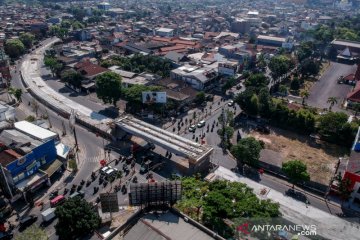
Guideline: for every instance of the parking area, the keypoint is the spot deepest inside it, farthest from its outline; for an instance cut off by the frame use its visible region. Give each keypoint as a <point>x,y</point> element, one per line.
<point>328,86</point>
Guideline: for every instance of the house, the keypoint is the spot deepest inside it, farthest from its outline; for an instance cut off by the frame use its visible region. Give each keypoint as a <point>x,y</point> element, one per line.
<point>130,78</point>
<point>354,96</point>
<point>89,70</point>
<point>177,59</point>
<point>7,113</point>
<point>274,41</point>
<point>228,68</point>
<point>351,172</point>
<point>198,77</point>
<point>340,45</point>
<point>82,35</point>
<point>164,32</point>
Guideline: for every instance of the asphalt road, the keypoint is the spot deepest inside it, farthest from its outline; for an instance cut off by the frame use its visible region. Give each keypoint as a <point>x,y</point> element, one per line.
<point>92,146</point>
<point>327,86</point>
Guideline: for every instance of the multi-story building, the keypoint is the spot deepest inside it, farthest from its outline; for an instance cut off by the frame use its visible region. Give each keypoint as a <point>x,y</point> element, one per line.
<point>27,152</point>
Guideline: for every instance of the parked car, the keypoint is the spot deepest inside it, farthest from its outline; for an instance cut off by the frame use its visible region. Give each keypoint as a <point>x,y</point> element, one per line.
<point>80,194</point>
<point>192,128</point>
<point>146,166</point>
<point>6,235</point>
<point>231,103</point>
<point>104,170</point>
<point>263,129</point>
<point>201,124</point>
<point>27,221</point>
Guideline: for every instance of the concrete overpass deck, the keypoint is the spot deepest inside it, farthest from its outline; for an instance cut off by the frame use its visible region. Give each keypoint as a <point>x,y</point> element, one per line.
<point>36,85</point>
<point>179,145</point>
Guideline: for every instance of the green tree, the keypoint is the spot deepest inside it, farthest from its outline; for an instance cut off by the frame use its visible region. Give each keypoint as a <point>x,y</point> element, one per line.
<point>200,97</point>
<point>331,124</point>
<point>212,203</point>
<point>296,171</point>
<point>332,101</point>
<point>66,24</point>
<point>76,218</point>
<point>14,48</point>
<point>58,31</point>
<point>305,50</point>
<point>16,92</point>
<point>226,133</point>
<point>283,90</point>
<point>356,108</point>
<point>53,64</point>
<point>265,103</point>
<point>258,81</point>
<point>343,187</point>
<point>295,84</point>
<point>72,77</point>
<point>304,94</point>
<point>254,105</point>
<point>108,87</point>
<point>309,67</point>
<point>279,66</point>
<point>32,233</point>
<point>27,39</point>
<point>247,151</point>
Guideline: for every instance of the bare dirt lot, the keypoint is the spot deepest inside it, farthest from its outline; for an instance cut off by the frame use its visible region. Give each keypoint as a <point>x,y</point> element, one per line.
<point>320,158</point>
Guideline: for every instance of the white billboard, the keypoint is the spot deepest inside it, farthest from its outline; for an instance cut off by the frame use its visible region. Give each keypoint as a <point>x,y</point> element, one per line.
<point>154,97</point>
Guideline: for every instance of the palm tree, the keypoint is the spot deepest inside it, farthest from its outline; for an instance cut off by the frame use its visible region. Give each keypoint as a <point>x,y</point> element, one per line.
<point>332,101</point>
<point>304,94</point>
<point>16,92</point>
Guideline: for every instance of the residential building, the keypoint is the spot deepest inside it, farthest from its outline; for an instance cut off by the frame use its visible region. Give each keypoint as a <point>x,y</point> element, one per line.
<point>198,77</point>
<point>240,26</point>
<point>104,6</point>
<point>22,157</point>
<point>7,113</point>
<point>352,46</point>
<point>165,32</point>
<point>274,41</point>
<point>228,68</point>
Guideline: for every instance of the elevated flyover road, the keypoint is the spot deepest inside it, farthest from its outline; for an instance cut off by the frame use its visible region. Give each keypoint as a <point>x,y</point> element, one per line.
<point>179,145</point>
<point>31,78</point>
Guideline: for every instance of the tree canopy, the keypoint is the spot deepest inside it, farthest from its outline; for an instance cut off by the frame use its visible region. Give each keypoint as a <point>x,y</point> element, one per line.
<point>280,65</point>
<point>247,151</point>
<point>108,87</point>
<point>32,233</point>
<point>296,171</point>
<point>213,203</point>
<point>53,64</point>
<point>72,77</point>
<point>14,48</point>
<point>258,81</point>
<point>76,218</point>
<point>27,39</point>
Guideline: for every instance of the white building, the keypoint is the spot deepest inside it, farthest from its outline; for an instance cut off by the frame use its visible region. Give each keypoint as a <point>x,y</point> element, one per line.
<point>165,32</point>
<point>199,78</point>
<point>7,113</point>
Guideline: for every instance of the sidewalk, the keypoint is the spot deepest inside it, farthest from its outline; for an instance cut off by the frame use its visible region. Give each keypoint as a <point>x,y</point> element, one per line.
<point>327,225</point>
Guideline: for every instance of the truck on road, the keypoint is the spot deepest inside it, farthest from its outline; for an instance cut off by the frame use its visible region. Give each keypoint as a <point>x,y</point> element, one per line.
<point>48,214</point>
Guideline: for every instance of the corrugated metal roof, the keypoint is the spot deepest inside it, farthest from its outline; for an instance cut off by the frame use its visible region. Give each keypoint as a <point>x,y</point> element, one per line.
<point>34,130</point>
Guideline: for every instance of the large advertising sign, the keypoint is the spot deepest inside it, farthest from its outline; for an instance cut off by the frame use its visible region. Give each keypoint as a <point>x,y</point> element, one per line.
<point>154,97</point>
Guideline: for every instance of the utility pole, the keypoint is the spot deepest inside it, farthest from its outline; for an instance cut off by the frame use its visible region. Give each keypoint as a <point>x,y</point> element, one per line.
<point>64,128</point>
<point>72,126</point>
<point>48,118</point>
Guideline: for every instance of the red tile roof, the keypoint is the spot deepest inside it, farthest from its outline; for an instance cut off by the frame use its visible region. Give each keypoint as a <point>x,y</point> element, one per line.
<point>89,69</point>
<point>8,156</point>
<point>354,96</point>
